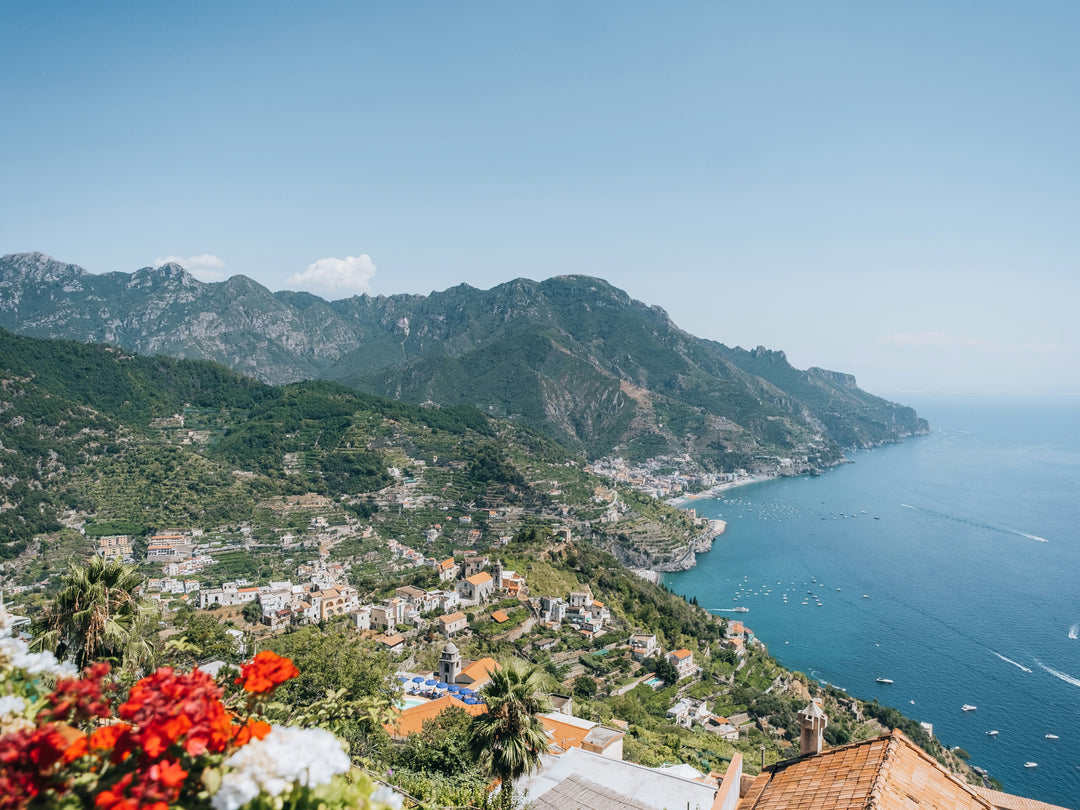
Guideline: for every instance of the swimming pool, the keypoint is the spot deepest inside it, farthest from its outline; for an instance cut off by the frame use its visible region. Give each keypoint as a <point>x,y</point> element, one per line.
<point>654,682</point>
<point>411,702</point>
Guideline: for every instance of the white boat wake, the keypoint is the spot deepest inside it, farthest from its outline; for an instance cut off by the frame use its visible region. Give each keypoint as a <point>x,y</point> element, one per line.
<point>1060,675</point>
<point>1074,630</point>
<point>1010,661</point>
<point>976,524</point>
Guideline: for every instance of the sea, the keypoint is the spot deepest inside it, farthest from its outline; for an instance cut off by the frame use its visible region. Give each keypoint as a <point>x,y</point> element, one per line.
<point>948,563</point>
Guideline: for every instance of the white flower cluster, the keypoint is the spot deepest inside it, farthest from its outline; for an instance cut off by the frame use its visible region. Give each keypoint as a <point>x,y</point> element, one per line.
<point>274,764</point>
<point>15,653</point>
<point>11,704</point>
<point>387,797</point>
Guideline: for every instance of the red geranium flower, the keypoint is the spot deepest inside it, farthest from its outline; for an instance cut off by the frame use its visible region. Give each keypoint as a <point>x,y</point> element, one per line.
<point>168,773</point>
<point>76,700</point>
<point>167,708</point>
<point>256,729</point>
<point>267,671</point>
<point>115,740</point>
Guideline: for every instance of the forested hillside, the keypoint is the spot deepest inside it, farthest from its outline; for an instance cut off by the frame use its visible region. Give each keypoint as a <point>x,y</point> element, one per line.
<point>571,356</point>
<point>98,441</point>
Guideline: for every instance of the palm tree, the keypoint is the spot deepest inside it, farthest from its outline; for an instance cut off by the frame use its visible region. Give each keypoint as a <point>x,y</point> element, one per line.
<point>96,616</point>
<point>508,739</point>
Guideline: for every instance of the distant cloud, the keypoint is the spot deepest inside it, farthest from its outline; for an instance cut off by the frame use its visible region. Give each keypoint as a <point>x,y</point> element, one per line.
<point>935,340</point>
<point>351,275</point>
<point>205,266</point>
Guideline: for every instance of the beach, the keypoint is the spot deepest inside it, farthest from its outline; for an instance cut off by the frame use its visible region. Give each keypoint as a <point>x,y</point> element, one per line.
<point>712,492</point>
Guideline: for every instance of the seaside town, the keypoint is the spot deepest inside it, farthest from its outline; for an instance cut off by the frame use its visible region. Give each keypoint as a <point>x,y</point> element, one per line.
<point>473,595</point>
<point>678,479</point>
<point>475,590</point>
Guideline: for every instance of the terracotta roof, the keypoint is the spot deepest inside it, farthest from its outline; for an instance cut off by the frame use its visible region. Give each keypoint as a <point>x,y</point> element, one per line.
<point>411,721</point>
<point>479,579</point>
<point>450,618</point>
<point>391,641</point>
<point>681,654</point>
<point>500,616</point>
<point>563,735</point>
<point>445,564</point>
<point>885,773</point>
<point>1007,801</point>
<point>478,670</point>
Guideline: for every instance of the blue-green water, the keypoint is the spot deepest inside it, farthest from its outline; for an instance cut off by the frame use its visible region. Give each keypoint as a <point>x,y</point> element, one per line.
<point>966,544</point>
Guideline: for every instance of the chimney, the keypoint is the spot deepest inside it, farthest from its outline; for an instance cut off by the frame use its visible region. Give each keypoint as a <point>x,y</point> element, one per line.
<point>812,721</point>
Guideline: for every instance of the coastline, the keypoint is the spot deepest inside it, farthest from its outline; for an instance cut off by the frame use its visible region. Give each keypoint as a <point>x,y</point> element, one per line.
<point>700,544</point>
<point>682,500</point>
<point>1014,699</point>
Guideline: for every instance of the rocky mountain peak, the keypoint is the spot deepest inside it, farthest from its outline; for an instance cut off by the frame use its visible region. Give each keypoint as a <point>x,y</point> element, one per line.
<point>38,267</point>
<point>168,276</point>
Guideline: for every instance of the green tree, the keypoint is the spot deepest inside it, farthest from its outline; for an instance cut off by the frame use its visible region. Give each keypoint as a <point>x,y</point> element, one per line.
<point>337,668</point>
<point>252,612</point>
<point>332,658</point>
<point>584,687</point>
<point>666,671</point>
<point>508,739</point>
<point>203,638</point>
<point>441,747</point>
<point>97,616</point>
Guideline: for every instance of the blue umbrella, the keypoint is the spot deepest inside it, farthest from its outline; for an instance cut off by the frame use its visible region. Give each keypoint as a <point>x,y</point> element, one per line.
<point>455,688</point>
<point>403,678</point>
<point>429,682</point>
<point>466,691</point>
<point>440,685</point>
<point>471,701</point>
<point>418,679</point>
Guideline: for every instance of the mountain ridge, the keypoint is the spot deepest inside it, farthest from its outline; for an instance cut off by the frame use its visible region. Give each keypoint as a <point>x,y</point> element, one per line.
<point>571,355</point>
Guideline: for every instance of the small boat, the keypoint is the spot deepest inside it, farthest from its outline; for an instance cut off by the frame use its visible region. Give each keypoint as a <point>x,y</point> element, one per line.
<point>741,609</point>
<point>991,734</point>
<point>1031,764</point>
<point>866,596</point>
<point>884,680</point>
<point>967,707</point>
<point>1052,736</point>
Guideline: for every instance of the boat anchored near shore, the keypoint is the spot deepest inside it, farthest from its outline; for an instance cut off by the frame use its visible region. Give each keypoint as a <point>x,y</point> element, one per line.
<point>884,680</point>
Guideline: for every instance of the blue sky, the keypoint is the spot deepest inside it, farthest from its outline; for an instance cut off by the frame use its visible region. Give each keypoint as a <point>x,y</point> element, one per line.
<point>890,189</point>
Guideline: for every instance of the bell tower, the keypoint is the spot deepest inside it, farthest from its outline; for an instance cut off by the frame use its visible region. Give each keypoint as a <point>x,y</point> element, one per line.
<point>449,663</point>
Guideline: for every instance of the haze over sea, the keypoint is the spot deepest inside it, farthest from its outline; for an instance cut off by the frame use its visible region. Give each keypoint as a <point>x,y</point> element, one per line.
<point>966,543</point>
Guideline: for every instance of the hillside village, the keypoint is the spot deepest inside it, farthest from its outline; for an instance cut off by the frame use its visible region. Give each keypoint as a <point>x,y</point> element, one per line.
<point>591,756</point>
<point>475,591</point>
